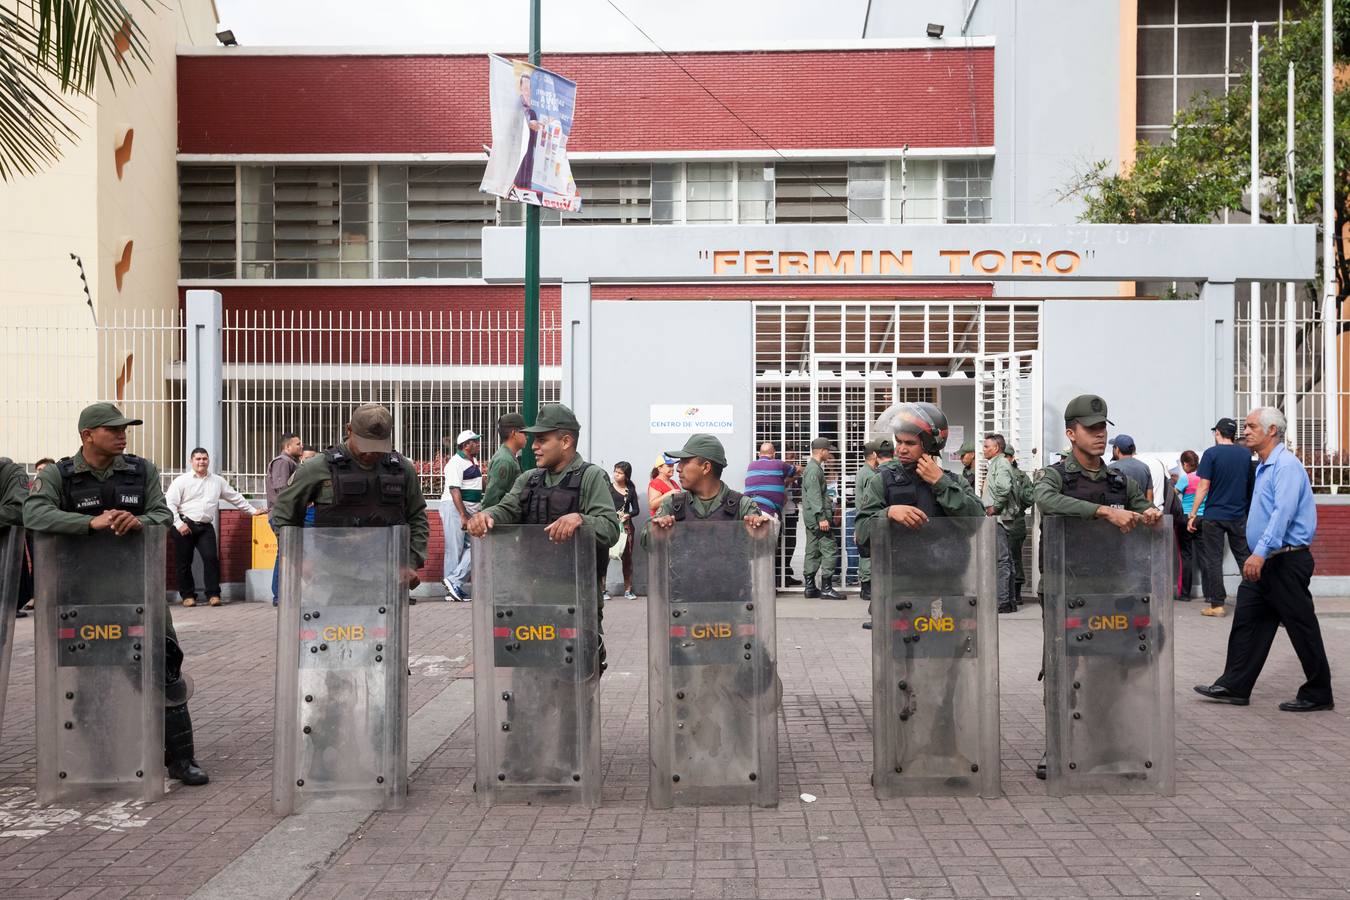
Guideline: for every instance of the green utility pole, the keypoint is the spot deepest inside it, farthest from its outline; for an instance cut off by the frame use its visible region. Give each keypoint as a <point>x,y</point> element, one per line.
<point>531,333</point>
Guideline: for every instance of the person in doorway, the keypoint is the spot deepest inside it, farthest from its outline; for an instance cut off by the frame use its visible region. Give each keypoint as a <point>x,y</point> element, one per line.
<point>768,481</point>
<point>1275,576</point>
<point>461,499</point>
<point>104,488</point>
<point>968,463</point>
<point>1001,501</point>
<point>1226,479</point>
<point>626,505</point>
<point>1017,525</point>
<point>504,467</point>
<point>661,482</point>
<point>194,499</point>
<point>822,549</point>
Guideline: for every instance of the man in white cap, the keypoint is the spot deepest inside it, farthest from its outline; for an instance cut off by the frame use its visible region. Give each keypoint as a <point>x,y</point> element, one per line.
<point>461,499</point>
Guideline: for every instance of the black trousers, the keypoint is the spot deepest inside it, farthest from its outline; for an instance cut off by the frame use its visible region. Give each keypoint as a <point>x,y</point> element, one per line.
<point>1281,597</point>
<point>1189,546</point>
<point>201,539</point>
<point>1211,553</point>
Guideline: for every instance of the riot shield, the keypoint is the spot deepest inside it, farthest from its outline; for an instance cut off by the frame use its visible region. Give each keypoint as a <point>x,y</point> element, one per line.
<point>100,665</point>
<point>713,689</point>
<point>1108,638</point>
<point>536,664</point>
<point>342,678</point>
<point>11,559</point>
<point>935,694</point>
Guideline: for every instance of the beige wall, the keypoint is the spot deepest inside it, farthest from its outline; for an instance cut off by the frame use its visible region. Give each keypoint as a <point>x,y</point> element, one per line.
<point>51,363</point>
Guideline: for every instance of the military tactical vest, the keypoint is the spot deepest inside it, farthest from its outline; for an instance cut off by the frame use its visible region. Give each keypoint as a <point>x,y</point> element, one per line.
<point>903,489</point>
<point>730,507</point>
<point>1109,491</point>
<point>542,504</point>
<point>83,493</point>
<point>363,498</point>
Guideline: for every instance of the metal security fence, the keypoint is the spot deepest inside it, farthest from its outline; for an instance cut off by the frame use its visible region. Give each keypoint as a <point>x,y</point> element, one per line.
<point>55,362</point>
<point>1289,343</point>
<point>440,372</point>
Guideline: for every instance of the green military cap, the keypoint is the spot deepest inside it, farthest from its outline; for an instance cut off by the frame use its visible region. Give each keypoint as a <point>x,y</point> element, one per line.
<point>554,417</point>
<point>104,415</point>
<point>869,447</point>
<point>512,420</point>
<point>1008,450</point>
<point>1086,409</point>
<point>372,429</point>
<point>821,443</point>
<point>704,446</point>
<point>967,447</point>
<point>885,446</point>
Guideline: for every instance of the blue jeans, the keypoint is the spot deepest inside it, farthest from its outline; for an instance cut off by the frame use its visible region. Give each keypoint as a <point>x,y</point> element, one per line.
<point>457,563</point>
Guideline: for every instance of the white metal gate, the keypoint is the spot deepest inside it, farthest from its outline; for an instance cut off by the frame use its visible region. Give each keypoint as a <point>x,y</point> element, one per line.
<point>1008,402</point>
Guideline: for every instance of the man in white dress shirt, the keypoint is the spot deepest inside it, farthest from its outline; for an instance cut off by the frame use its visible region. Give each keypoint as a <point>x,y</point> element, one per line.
<point>194,497</point>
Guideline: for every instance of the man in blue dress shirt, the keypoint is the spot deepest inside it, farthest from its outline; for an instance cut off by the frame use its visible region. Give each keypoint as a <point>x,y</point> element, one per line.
<point>1274,590</point>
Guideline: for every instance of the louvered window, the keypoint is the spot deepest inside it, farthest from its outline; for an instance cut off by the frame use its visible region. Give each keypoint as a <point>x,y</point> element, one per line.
<point>206,225</point>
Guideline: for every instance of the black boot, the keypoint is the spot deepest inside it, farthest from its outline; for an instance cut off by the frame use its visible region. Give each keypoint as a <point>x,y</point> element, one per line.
<point>812,592</point>
<point>865,591</point>
<point>827,591</point>
<point>178,747</point>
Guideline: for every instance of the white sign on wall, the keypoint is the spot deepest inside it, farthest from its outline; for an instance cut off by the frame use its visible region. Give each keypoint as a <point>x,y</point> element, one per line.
<point>679,418</point>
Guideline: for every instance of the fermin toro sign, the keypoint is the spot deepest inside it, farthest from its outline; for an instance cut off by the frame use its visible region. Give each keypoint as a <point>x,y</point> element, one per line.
<point>649,253</point>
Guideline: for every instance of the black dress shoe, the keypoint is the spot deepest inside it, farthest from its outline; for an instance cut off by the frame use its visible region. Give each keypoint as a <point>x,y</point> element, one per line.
<point>1040,768</point>
<point>1220,694</point>
<point>1297,705</point>
<point>867,626</point>
<point>187,772</point>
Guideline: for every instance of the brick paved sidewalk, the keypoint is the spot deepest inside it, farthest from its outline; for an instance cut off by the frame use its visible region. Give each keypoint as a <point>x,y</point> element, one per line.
<point>1262,807</point>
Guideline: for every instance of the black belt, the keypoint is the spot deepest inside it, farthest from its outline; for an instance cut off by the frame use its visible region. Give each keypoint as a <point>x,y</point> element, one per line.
<point>1287,549</point>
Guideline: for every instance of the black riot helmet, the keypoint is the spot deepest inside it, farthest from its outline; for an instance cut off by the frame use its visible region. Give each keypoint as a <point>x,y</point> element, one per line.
<point>922,419</point>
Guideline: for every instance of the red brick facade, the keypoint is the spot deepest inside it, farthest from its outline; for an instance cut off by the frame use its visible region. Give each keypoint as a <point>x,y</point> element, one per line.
<point>234,102</point>
<point>1331,546</point>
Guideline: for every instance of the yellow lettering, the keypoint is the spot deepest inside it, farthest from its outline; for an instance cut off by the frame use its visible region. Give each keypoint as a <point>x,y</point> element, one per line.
<point>1024,261</point>
<point>344,633</point>
<point>954,258</point>
<point>711,630</point>
<point>845,263</point>
<point>758,262</point>
<point>925,623</point>
<point>793,262</point>
<point>535,633</point>
<point>866,256</point>
<point>1068,257</point>
<point>890,262</point>
<point>1118,622</point>
<point>101,632</point>
<point>725,261</point>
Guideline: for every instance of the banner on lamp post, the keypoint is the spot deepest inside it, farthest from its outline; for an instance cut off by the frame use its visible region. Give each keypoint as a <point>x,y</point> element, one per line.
<point>532,110</point>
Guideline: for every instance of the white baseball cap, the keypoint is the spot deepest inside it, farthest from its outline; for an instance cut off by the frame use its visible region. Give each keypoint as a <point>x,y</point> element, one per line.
<point>465,435</point>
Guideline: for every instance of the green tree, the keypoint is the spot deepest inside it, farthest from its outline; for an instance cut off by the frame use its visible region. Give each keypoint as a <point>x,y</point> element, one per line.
<point>1206,169</point>
<point>52,51</point>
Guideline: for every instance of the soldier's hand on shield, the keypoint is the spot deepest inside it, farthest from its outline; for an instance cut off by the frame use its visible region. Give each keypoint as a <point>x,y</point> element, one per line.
<point>479,525</point>
<point>102,522</point>
<point>124,522</point>
<point>929,469</point>
<point>908,516</point>
<point>755,521</point>
<point>663,521</point>
<point>1152,515</point>
<point>1121,518</point>
<point>564,528</point>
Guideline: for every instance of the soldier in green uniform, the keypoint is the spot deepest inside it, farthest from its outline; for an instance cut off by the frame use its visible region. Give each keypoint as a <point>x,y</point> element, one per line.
<point>1082,486</point>
<point>104,488</point>
<point>564,493</point>
<point>822,550</point>
<point>1017,525</point>
<point>968,463</point>
<point>1001,501</point>
<point>504,468</point>
<point>913,486</point>
<point>875,453</point>
<point>13,490</point>
<point>360,483</point>
<point>702,491</point>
